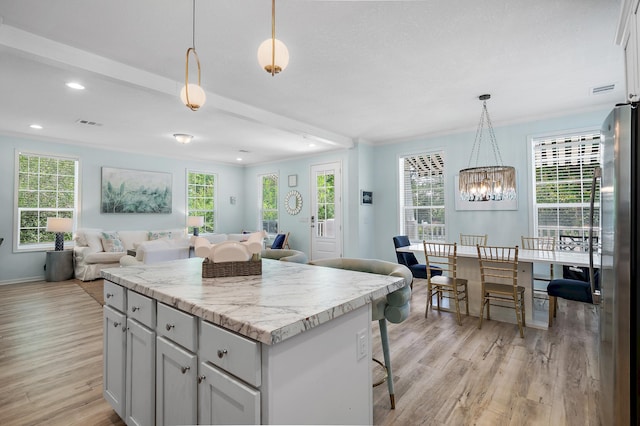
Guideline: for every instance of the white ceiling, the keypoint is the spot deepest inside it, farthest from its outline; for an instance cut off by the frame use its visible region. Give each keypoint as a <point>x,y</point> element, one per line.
<point>360,71</point>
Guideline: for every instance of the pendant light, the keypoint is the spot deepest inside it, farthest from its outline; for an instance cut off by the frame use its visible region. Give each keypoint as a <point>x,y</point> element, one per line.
<point>487,183</point>
<point>273,55</point>
<point>191,94</point>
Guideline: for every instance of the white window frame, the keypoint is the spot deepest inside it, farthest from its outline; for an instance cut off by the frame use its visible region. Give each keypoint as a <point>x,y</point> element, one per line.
<point>427,231</point>
<point>209,226</point>
<point>261,210</point>
<point>47,241</point>
<point>565,147</point>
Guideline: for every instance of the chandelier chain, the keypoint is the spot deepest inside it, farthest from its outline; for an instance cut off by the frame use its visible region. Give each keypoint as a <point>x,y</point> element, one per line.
<point>492,136</point>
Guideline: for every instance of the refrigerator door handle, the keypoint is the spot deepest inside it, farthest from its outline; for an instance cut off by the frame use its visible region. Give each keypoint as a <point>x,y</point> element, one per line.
<point>597,174</point>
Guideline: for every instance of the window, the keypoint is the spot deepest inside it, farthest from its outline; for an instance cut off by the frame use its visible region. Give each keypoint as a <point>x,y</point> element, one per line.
<point>422,197</point>
<point>269,203</point>
<point>201,191</point>
<point>46,186</point>
<point>563,171</point>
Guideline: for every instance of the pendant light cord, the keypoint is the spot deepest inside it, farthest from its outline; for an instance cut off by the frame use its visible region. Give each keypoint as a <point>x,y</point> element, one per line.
<point>193,26</point>
<point>273,37</point>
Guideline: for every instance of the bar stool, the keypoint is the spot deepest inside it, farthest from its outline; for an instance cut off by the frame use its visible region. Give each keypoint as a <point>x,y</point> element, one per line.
<point>393,307</point>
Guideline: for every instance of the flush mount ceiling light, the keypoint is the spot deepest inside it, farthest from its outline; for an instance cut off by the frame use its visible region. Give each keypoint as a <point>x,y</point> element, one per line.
<point>36,126</point>
<point>74,85</point>
<point>487,183</point>
<point>191,94</point>
<point>183,137</point>
<point>273,55</point>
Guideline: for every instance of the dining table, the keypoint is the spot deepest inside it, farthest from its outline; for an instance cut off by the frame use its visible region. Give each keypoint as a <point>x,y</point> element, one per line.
<point>468,267</point>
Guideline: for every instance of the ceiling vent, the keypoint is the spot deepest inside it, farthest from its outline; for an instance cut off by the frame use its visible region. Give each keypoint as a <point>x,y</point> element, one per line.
<point>88,122</point>
<point>602,89</point>
<point>244,151</point>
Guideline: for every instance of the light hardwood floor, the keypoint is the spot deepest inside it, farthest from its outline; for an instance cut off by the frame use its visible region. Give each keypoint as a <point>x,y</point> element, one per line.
<point>445,374</point>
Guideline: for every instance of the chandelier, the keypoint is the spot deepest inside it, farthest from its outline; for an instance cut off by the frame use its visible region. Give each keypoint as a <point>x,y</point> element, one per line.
<point>487,183</point>
<point>273,55</point>
<point>191,94</point>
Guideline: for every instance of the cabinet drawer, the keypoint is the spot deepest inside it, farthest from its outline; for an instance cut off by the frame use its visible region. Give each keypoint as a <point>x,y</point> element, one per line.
<point>142,309</point>
<point>115,296</point>
<point>178,326</point>
<point>233,353</point>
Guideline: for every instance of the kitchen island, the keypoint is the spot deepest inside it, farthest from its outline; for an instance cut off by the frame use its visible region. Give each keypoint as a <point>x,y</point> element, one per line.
<point>292,345</point>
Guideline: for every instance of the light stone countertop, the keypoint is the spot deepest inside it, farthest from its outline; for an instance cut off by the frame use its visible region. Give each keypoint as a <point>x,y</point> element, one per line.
<point>287,299</point>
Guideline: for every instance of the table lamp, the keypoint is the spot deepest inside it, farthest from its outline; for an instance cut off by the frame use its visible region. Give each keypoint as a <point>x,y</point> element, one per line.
<point>196,222</point>
<point>59,225</point>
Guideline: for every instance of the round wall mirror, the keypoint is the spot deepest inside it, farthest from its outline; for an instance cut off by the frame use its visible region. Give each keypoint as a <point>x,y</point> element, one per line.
<point>293,202</point>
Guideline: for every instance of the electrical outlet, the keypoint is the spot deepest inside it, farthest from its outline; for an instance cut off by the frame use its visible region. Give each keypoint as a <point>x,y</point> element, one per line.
<point>361,344</point>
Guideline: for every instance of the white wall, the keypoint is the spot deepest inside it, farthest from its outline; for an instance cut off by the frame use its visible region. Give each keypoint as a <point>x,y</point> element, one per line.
<point>503,227</point>
<point>17,267</point>
<point>368,230</point>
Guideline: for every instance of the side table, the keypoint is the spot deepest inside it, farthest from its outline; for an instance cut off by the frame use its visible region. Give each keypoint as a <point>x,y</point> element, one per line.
<point>59,265</point>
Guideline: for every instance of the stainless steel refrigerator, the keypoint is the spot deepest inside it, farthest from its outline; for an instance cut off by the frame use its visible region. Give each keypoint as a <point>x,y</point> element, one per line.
<point>619,303</point>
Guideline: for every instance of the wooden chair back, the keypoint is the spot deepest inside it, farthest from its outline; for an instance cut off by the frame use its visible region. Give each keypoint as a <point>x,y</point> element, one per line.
<point>442,256</point>
<point>538,243</point>
<point>473,240</point>
<point>498,265</point>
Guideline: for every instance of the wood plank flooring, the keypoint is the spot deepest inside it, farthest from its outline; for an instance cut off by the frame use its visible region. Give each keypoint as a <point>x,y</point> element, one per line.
<point>445,374</point>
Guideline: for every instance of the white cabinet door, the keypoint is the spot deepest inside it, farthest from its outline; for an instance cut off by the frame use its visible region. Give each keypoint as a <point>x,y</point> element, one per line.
<point>224,400</point>
<point>141,374</point>
<point>115,342</point>
<point>176,386</point>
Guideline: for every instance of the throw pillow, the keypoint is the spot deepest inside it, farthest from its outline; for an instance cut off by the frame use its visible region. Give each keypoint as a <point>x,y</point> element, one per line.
<point>156,235</point>
<point>111,242</point>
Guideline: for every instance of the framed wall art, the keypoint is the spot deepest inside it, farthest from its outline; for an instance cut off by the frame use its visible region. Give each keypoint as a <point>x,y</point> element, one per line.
<point>135,191</point>
<point>366,197</point>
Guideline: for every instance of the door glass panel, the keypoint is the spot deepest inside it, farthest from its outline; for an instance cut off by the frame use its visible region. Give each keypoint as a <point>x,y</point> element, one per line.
<point>325,213</point>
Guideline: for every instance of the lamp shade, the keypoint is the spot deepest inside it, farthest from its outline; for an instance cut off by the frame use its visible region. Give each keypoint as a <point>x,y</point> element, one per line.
<point>195,221</point>
<point>265,57</point>
<point>59,224</point>
<point>197,97</point>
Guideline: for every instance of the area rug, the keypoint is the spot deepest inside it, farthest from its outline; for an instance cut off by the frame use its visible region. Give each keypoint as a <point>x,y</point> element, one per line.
<point>93,289</point>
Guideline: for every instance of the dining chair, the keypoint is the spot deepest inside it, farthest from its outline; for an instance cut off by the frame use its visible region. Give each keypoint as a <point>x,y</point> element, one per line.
<point>446,284</point>
<point>545,244</point>
<point>569,289</point>
<point>499,278</point>
<point>473,240</point>
<point>408,259</point>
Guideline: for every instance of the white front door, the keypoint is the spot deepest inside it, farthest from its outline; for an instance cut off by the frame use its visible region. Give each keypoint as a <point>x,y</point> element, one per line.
<point>326,211</point>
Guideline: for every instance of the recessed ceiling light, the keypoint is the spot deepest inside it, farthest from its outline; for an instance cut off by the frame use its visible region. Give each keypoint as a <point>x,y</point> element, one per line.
<point>312,145</point>
<point>183,137</point>
<point>36,126</point>
<point>74,85</point>
<point>238,159</point>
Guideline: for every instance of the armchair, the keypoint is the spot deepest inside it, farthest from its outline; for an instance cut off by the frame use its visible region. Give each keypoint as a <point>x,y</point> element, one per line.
<point>570,289</point>
<point>419,270</point>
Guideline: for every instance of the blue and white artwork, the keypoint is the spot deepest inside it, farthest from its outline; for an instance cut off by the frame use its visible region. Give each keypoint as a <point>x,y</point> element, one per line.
<point>135,191</point>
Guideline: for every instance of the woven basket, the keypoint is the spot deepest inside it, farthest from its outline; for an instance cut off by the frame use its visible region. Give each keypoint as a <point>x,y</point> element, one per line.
<point>231,269</point>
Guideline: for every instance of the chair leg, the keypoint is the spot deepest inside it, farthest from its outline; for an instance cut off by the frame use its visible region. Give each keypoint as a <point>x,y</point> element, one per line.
<point>552,308</point>
<point>457,302</point>
<point>429,299</point>
<point>387,360</point>
<point>522,309</point>
<point>466,298</point>
<point>488,309</point>
<point>518,317</point>
<point>481,312</point>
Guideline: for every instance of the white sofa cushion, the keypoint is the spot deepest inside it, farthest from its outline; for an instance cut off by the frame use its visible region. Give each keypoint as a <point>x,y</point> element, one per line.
<point>89,237</point>
<point>131,238</point>
<point>103,257</point>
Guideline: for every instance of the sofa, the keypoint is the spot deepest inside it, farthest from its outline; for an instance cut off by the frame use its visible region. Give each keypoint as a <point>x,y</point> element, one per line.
<point>96,249</point>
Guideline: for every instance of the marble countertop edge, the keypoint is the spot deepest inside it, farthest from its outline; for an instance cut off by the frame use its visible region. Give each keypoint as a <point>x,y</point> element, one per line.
<point>263,330</point>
